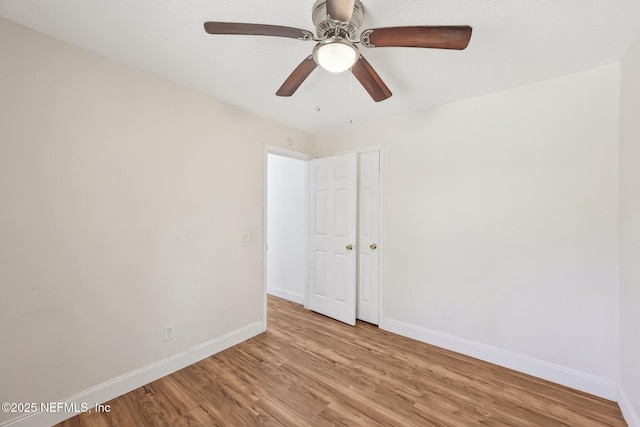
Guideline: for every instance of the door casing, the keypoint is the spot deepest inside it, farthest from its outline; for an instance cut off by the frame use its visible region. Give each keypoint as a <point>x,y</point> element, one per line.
<point>298,155</point>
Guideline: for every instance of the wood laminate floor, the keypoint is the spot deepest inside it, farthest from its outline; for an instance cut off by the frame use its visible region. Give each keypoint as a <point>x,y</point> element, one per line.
<point>309,370</point>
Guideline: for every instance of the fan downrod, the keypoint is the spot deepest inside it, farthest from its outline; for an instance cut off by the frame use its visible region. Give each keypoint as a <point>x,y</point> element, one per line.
<point>326,27</point>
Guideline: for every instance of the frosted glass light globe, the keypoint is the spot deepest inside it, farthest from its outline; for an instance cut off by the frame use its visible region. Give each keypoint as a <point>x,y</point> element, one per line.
<point>335,54</point>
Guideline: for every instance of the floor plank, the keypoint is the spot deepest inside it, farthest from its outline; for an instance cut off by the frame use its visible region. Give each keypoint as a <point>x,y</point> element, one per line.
<point>311,370</point>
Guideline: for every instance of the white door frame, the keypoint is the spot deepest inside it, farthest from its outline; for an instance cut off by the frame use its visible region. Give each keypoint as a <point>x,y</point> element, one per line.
<point>281,151</point>
<point>285,152</point>
<point>380,149</point>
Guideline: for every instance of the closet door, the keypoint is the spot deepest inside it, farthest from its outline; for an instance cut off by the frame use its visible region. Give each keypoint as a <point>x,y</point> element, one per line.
<point>368,237</point>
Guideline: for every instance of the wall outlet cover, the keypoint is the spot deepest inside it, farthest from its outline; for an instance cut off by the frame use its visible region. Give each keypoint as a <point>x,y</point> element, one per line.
<point>168,332</point>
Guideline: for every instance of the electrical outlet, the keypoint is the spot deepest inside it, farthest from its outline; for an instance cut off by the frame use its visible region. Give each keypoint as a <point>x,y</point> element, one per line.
<point>168,332</point>
<point>446,312</point>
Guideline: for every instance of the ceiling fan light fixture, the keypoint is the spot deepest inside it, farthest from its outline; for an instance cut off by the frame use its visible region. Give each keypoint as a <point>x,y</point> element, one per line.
<point>335,54</point>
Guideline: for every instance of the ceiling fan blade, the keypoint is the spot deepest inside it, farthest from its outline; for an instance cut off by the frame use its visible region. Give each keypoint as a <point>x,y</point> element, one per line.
<point>370,80</point>
<point>256,30</point>
<point>298,76</point>
<point>340,10</point>
<point>445,37</point>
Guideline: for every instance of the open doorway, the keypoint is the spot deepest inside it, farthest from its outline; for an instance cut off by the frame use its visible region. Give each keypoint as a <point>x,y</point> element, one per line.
<point>286,227</point>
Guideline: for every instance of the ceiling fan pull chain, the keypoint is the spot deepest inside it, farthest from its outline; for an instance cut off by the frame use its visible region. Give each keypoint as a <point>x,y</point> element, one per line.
<point>318,92</point>
<point>350,97</point>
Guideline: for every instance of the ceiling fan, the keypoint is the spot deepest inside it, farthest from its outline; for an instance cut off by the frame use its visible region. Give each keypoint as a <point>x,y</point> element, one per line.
<point>337,34</point>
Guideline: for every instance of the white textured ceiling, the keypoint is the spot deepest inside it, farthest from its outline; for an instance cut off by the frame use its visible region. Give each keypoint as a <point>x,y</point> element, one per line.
<point>513,43</point>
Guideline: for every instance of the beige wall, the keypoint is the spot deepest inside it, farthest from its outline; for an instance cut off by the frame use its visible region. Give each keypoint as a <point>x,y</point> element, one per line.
<point>630,232</point>
<point>124,198</point>
<point>505,208</point>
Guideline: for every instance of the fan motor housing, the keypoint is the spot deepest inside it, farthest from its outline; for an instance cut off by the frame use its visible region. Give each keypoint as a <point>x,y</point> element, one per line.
<point>326,27</point>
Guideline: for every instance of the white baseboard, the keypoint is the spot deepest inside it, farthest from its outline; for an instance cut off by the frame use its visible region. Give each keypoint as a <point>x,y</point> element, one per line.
<point>578,380</point>
<point>128,382</point>
<point>631,416</point>
<point>285,294</point>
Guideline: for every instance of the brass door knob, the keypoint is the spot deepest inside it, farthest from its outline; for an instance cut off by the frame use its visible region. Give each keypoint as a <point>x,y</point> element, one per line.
<point>349,247</point>
<point>373,246</point>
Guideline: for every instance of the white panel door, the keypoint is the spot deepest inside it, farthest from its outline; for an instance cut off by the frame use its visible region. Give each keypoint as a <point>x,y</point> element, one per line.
<point>368,236</point>
<point>332,236</point>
